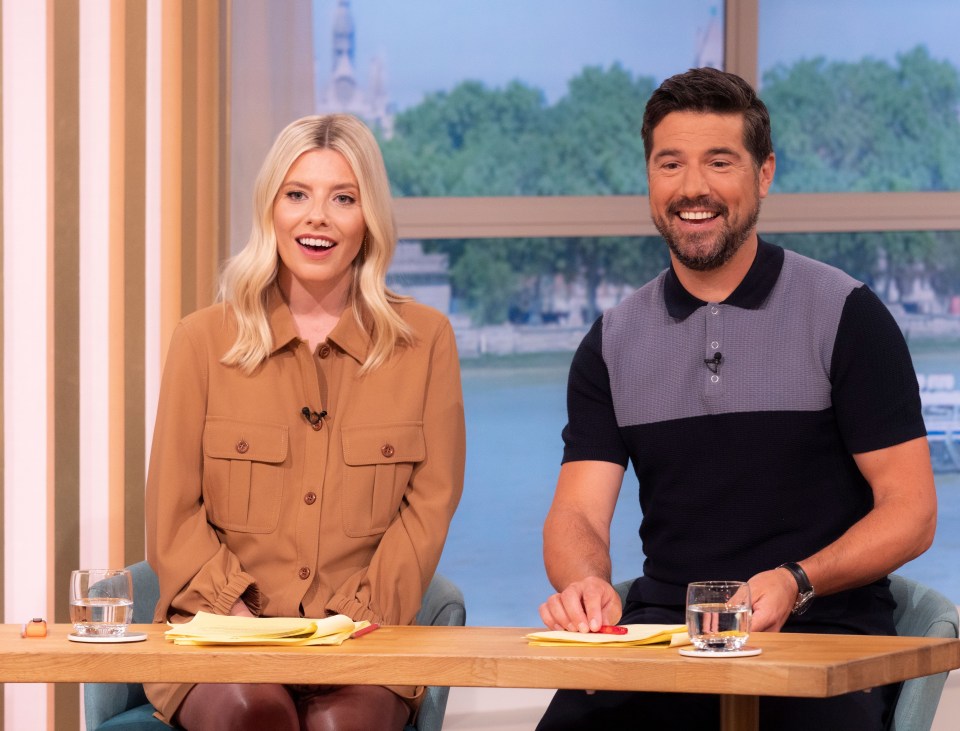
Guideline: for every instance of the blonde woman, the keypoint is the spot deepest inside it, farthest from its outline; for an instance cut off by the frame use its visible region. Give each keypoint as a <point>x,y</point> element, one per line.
<point>309,446</point>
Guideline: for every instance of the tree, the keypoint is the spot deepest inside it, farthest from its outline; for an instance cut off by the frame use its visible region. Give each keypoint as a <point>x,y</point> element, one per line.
<point>479,141</point>
<point>864,126</point>
<point>470,141</point>
<point>868,126</point>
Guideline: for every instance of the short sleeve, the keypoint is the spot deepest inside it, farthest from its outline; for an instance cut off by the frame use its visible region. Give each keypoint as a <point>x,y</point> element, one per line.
<point>591,432</point>
<point>875,394</point>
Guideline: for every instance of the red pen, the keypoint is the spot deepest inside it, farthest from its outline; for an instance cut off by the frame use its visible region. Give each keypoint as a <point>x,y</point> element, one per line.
<point>612,629</point>
<point>365,631</point>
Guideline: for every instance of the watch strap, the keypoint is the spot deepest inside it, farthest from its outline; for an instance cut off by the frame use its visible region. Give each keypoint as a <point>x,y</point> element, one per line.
<point>805,592</point>
<point>803,581</point>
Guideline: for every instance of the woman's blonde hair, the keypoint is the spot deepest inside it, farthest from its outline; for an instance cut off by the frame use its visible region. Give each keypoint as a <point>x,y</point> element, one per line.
<point>248,275</point>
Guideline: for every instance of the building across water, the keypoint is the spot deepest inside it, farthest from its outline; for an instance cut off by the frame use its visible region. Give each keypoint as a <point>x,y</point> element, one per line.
<point>340,90</point>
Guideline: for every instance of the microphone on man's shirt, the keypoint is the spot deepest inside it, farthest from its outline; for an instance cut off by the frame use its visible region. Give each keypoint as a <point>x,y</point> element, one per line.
<point>713,363</point>
<point>313,417</point>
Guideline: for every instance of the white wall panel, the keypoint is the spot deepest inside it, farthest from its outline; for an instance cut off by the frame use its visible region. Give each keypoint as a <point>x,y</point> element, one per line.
<point>25,269</point>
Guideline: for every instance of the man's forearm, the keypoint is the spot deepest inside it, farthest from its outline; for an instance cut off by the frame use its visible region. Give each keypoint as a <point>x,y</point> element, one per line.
<point>573,550</point>
<point>899,528</point>
<point>871,549</point>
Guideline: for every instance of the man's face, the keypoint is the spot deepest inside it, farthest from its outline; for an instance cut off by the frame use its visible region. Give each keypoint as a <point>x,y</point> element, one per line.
<point>705,189</point>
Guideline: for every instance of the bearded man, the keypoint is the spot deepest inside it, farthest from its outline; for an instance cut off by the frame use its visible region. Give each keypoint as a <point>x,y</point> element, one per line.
<point>769,407</point>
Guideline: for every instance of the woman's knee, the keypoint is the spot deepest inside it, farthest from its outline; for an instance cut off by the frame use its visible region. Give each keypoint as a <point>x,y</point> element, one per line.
<point>238,707</point>
<point>354,708</point>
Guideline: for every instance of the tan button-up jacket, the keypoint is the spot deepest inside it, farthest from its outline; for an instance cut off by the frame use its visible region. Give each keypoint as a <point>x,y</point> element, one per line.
<point>246,498</point>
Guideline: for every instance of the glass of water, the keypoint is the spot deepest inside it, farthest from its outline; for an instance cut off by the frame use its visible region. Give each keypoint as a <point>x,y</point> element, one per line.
<point>718,615</point>
<point>101,602</point>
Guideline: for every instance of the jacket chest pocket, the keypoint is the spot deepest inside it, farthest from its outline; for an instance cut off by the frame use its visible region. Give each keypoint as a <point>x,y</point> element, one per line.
<point>243,474</point>
<point>379,460</point>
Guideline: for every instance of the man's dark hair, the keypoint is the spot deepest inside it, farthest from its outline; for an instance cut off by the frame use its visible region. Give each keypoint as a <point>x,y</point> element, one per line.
<point>708,90</point>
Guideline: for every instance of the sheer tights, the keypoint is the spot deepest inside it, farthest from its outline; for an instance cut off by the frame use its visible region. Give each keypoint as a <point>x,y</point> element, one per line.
<point>258,706</point>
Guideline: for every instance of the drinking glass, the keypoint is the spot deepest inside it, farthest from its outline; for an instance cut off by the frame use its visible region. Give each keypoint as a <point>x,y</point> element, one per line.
<point>101,602</point>
<point>718,615</point>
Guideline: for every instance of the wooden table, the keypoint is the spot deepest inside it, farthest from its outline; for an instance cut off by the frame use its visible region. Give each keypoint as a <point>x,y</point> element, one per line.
<point>791,664</point>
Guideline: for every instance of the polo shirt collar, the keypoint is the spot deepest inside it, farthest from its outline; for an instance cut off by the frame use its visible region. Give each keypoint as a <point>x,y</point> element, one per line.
<point>347,334</point>
<point>750,294</point>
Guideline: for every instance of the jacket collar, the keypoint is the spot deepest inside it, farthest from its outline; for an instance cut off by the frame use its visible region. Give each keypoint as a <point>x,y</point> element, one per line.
<point>347,334</point>
<point>351,337</point>
<point>750,294</point>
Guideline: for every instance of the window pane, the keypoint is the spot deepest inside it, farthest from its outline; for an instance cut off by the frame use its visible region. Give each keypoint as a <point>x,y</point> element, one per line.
<point>556,282</point>
<point>515,369</point>
<point>862,99</point>
<point>520,307</point>
<point>493,97</point>
<point>515,408</point>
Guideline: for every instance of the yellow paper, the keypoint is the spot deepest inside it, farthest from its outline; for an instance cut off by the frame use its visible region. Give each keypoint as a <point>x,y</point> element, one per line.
<point>637,635</point>
<point>218,629</point>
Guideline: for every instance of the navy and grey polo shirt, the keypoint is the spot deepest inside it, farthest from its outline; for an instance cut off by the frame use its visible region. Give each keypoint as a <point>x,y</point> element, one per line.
<point>746,463</point>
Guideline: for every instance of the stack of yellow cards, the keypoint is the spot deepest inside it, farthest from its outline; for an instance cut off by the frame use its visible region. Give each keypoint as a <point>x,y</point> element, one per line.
<point>217,629</point>
<point>637,635</point>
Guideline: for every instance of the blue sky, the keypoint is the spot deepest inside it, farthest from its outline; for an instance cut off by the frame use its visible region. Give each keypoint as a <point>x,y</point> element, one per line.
<point>848,30</point>
<point>433,44</point>
<point>428,45</point>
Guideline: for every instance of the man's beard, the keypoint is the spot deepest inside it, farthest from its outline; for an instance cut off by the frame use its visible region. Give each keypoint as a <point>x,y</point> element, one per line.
<point>728,239</point>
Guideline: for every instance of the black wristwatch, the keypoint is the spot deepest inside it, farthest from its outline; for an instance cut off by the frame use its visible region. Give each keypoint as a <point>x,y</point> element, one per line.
<point>805,592</point>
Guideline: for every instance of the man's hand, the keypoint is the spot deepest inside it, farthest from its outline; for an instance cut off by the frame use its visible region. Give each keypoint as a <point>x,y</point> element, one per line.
<point>584,606</point>
<point>773,593</point>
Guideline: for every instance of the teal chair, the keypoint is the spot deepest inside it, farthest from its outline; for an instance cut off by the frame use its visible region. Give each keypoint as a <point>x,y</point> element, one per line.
<point>124,707</point>
<point>920,612</point>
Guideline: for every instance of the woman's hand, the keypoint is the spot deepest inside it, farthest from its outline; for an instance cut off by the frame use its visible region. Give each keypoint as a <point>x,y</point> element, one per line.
<point>239,609</point>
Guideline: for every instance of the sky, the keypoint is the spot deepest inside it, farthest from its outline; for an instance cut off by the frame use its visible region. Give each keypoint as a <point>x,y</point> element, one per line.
<point>434,44</point>
<point>848,30</point>
<point>429,45</point>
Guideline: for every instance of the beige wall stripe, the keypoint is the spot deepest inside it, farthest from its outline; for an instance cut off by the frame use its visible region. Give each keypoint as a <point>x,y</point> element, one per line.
<point>208,135</point>
<point>63,214</point>
<point>171,168</point>
<point>117,227</point>
<point>135,59</point>
<point>190,171</point>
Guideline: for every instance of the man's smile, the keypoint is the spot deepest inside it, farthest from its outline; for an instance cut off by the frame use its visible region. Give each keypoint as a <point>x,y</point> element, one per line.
<point>697,215</point>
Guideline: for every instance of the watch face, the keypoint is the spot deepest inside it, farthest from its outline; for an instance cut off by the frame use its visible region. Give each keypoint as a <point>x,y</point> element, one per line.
<point>803,602</point>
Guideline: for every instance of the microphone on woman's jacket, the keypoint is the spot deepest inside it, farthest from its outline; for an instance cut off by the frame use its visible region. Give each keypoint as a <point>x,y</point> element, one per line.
<point>313,417</point>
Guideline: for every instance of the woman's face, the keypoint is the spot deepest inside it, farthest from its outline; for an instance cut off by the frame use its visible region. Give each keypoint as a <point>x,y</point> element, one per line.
<point>318,220</point>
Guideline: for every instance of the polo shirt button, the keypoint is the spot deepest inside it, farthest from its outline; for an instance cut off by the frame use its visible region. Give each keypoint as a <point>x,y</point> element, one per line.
<point>324,351</point>
<point>714,310</point>
<point>715,379</point>
<point>242,447</point>
<point>714,345</point>
<point>304,573</point>
<point>310,498</point>
<point>387,450</point>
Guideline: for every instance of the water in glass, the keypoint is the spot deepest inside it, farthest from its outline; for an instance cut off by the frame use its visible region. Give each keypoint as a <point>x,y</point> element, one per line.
<point>101,602</point>
<point>718,615</point>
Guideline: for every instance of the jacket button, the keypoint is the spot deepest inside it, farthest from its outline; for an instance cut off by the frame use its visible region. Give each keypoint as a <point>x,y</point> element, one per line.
<point>310,498</point>
<point>242,447</point>
<point>387,450</point>
<point>304,573</point>
<point>324,351</point>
